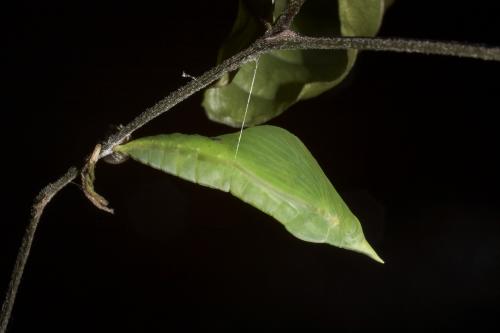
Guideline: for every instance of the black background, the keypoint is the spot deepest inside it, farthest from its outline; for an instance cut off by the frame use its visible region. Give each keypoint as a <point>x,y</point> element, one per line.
<point>410,142</point>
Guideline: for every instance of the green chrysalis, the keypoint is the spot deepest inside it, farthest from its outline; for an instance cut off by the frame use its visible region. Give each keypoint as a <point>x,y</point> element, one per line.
<point>273,172</point>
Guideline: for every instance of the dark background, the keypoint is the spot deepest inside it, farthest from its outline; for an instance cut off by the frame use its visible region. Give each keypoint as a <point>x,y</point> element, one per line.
<point>410,142</point>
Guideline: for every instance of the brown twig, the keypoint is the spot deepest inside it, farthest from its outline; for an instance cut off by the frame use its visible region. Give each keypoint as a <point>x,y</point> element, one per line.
<point>284,22</point>
<point>43,198</point>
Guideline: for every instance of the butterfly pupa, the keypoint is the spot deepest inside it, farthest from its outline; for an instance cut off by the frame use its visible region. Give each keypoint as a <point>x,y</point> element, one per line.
<point>274,172</point>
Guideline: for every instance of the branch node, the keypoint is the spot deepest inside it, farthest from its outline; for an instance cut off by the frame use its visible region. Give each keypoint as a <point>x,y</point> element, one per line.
<point>116,157</point>
<point>282,36</point>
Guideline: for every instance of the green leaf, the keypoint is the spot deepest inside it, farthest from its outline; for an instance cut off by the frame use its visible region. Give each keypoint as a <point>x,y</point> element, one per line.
<point>286,77</point>
<point>273,171</point>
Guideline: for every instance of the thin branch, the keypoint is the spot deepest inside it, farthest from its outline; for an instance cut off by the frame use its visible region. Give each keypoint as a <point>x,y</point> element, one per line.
<point>292,41</point>
<point>251,53</point>
<point>284,22</point>
<point>182,93</point>
<point>454,49</point>
<point>43,198</point>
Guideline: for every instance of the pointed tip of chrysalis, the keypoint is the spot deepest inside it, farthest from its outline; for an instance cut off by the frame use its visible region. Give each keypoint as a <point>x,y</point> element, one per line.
<point>365,248</point>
